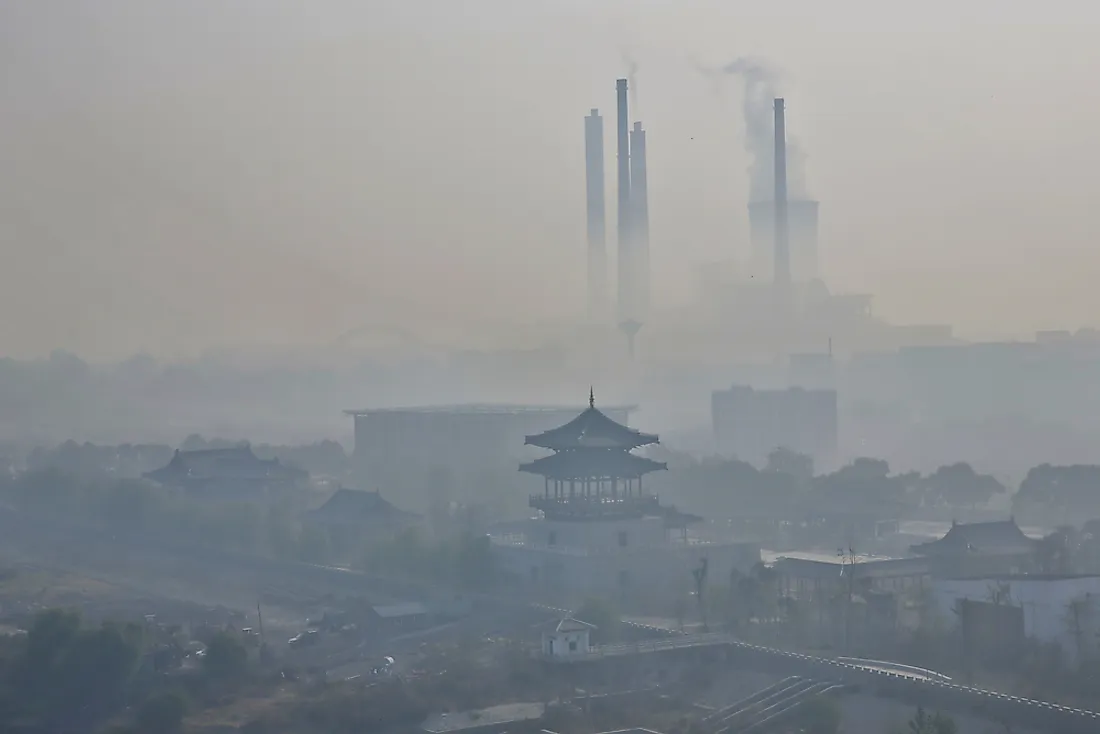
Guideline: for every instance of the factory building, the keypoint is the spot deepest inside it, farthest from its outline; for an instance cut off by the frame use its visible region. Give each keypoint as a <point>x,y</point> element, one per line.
<point>749,424</point>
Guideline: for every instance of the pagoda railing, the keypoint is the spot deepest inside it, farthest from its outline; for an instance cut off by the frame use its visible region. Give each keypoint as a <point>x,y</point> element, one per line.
<point>581,506</point>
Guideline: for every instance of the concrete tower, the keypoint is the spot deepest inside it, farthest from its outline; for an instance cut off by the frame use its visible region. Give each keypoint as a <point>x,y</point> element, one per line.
<point>628,321</point>
<point>623,232</point>
<point>639,226</point>
<point>782,272</point>
<point>597,224</point>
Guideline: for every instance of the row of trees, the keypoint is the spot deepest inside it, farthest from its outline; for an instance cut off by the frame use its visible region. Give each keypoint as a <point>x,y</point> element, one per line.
<point>787,487</point>
<point>323,458</point>
<point>66,676</point>
<point>136,509</point>
<point>464,559</point>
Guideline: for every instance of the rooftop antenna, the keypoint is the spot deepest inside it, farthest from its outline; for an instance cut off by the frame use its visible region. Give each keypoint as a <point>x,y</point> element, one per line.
<point>591,397</point>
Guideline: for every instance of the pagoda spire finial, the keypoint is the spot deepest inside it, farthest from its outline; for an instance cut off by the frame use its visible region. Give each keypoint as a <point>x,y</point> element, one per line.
<point>591,397</point>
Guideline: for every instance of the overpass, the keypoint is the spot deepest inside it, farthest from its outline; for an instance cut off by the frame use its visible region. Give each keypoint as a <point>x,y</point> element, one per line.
<point>925,687</point>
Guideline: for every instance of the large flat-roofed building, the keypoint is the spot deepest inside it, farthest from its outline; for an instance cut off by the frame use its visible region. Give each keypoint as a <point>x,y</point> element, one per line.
<point>749,424</point>
<point>454,452</point>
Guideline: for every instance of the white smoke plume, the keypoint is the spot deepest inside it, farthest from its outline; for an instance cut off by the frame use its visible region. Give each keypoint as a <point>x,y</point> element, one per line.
<point>761,88</point>
<point>632,82</point>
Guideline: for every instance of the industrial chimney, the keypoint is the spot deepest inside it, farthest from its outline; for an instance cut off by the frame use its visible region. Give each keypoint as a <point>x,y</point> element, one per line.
<point>639,225</point>
<point>627,261</point>
<point>782,272</point>
<point>624,212</point>
<point>597,226</point>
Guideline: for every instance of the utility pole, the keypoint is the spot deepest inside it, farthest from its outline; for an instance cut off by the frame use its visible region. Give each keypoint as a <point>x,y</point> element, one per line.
<point>847,563</point>
<point>700,576</point>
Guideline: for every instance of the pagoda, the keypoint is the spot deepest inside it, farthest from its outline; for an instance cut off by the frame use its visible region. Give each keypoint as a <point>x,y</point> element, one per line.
<point>592,474</point>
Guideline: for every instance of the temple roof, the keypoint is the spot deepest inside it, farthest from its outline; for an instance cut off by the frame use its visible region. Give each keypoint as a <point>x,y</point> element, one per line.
<point>591,429</point>
<point>592,464</point>
<point>236,462</point>
<point>981,537</point>
<point>356,507</point>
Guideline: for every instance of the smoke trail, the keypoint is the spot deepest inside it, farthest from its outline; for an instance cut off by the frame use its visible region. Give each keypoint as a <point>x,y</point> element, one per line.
<point>632,81</point>
<point>761,88</point>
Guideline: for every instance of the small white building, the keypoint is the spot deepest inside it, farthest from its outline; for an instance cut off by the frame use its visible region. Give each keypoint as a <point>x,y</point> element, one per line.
<point>1057,609</point>
<point>569,638</point>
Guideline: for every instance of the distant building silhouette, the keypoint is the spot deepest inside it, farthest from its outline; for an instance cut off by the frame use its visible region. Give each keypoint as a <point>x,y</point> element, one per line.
<point>749,424</point>
<point>229,473</point>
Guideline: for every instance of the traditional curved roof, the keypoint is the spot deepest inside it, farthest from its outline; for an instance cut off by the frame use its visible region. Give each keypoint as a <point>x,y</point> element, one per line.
<point>591,429</point>
<point>987,538</point>
<point>568,465</point>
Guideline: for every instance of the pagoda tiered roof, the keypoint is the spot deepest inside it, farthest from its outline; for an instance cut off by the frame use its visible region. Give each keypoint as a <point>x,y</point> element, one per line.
<point>592,429</point>
<point>602,464</point>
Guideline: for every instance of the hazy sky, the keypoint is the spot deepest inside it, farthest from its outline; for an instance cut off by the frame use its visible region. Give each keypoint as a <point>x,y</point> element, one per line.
<point>180,174</point>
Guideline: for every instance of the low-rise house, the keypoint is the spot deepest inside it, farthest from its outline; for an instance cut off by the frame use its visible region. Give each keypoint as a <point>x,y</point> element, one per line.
<point>231,473</point>
<point>1059,610</point>
<point>981,548</point>
<point>403,617</point>
<point>567,638</point>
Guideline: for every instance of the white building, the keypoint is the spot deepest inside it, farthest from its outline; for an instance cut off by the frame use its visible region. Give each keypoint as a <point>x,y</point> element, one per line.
<point>1060,610</point>
<point>614,556</point>
<point>569,638</point>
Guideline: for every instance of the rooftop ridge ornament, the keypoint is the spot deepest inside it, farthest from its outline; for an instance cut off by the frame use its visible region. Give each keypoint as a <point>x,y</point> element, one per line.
<point>591,397</point>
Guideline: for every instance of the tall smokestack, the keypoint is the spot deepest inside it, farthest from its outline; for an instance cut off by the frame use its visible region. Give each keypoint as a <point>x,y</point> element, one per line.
<point>639,225</point>
<point>597,225</point>
<point>782,272</point>
<point>624,213</point>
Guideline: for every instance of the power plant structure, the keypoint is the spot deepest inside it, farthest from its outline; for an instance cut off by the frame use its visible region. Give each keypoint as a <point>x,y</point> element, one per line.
<point>639,281</point>
<point>781,276</point>
<point>777,305</point>
<point>632,232</point>
<point>596,209</point>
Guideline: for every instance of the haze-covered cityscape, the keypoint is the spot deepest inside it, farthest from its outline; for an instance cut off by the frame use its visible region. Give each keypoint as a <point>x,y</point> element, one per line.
<point>558,368</point>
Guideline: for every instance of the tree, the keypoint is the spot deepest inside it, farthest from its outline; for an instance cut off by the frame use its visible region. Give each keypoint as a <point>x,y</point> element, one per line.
<point>162,712</point>
<point>474,561</point>
<point>1059,492</point>
<point>864,486</point>
<point>66,673</point>
<point>820,715</point>
<point>1057,553</point>
<point>226,657</point>
<point>958,485</point>
<point>603,615</point>
<point>785,461</point>
<point>937,723</point>
<point>313,544</point>
<point>699,574</point>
